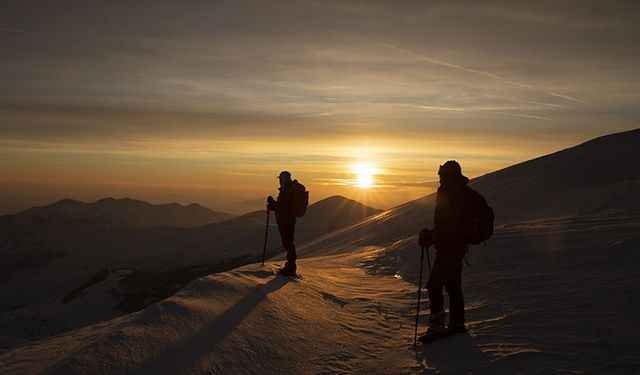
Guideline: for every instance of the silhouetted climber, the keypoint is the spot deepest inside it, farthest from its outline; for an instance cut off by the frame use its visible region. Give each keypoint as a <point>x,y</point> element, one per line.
<point>292,202</point>
<point>461,216</point>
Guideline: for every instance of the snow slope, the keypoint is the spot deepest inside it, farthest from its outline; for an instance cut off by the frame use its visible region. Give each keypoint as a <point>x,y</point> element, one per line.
<point>246,321</point>
<point>61,271</point>
<point>555,291</point>
<point>350,313</point>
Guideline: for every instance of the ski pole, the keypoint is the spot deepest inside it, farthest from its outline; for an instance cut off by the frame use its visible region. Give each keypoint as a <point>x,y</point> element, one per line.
<point>266,233</point>
<point>415,335</point>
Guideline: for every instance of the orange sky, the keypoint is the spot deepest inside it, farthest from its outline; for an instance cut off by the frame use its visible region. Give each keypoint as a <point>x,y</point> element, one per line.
<point>216,172</point>
<point>208,102</point>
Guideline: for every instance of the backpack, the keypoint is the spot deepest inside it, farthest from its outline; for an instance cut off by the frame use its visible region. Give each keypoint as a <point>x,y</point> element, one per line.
<point>300,199</point>
<point>482,221</point>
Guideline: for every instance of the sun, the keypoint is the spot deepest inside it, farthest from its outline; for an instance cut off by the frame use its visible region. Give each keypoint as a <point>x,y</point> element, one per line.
<point>364,173</point>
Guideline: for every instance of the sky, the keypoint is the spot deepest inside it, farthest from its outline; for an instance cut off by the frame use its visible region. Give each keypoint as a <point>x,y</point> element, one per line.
<point>207,101</point>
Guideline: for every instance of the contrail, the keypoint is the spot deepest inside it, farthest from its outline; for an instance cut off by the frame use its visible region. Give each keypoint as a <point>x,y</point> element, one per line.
<point>544,104</point>
<point>518,115</point>
<point>458,109</point>
<point>464,68</point>
<point>552,93</point>
<point>27,32</point>
<point>438,108</point>
<point>17,31</point>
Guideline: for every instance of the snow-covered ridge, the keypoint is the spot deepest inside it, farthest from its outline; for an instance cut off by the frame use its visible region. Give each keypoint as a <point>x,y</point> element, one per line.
<point>554,291</point>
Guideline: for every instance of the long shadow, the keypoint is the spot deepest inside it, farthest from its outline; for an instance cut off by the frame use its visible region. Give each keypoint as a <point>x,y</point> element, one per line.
<point>457,354</point>
<point>175,360</point>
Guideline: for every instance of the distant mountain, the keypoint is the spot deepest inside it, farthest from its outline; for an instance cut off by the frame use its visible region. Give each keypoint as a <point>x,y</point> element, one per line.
<point>333,213</point>
<point>322,217</point>
<point>243,206</point>
<point>125,212</point>
<point>112,256</point>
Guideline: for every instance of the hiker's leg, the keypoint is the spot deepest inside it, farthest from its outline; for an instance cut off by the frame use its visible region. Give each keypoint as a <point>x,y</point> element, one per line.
<point>435,284</point>
<point>456,299</point>
<point>287,231</point>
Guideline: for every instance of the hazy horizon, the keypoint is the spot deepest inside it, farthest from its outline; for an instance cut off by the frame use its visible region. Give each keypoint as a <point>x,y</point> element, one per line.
<point>235,207</point>
<point>207,102</point>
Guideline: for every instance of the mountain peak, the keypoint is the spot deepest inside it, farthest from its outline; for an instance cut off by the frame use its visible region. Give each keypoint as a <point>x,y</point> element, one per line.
<point>65,202</point>
<point>106,199</point>
<point>340,200</point>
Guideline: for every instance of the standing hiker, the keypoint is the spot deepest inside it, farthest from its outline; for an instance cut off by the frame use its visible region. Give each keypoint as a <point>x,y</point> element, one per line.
<point>461,216</point>
<point>291,203</point>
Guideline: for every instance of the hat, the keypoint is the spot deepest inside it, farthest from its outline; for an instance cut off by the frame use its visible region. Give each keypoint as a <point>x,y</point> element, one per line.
<point>450,168</point>
<point>285,174</point>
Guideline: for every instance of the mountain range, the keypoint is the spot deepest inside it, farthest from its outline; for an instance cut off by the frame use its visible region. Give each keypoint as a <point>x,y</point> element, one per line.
<point>124,213</point>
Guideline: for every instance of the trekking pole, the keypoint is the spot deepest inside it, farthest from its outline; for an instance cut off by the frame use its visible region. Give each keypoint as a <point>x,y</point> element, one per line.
<point>266,233</point>
<point>415,335</point>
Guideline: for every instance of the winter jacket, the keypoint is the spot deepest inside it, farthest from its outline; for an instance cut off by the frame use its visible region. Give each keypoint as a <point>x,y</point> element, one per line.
<point>453,214</point>
<point>284,205</point>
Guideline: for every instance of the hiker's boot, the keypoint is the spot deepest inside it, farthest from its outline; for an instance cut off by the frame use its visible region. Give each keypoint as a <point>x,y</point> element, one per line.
<point>436,327</point>
<point>456,327</point>
<point>289,269</point>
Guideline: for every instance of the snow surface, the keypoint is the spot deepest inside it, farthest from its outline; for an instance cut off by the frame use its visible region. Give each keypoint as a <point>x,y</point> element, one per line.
<point>58,269</point>
<point>555,291</point>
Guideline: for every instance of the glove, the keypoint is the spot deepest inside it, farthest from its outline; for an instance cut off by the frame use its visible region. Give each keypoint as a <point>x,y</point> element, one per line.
<point>271,204</point>
<point>425,239</point>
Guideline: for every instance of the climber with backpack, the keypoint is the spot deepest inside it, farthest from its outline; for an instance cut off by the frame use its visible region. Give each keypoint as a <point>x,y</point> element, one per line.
<point>461,217</point>
<point>292,202</point>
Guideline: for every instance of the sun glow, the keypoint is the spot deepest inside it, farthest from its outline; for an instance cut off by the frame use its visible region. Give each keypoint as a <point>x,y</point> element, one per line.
<point>364,173</point>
